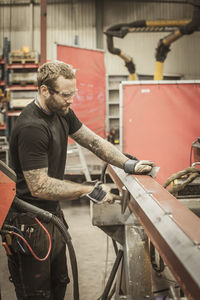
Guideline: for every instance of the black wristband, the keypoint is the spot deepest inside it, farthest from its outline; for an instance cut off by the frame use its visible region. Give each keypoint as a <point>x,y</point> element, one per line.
<point>129,166</point>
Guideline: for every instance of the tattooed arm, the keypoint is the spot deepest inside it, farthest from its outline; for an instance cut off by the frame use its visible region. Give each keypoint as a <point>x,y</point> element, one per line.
<point>45,187</point>
<point>102,148</point>
<point>48,188</point>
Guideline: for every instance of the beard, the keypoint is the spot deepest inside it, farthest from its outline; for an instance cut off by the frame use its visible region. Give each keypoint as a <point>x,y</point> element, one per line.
<point>56,107</point>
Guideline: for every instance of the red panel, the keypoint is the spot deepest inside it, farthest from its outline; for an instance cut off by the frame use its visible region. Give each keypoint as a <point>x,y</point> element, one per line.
<point>7,194</point>
<point>89,104</point>
<point>160,122</point>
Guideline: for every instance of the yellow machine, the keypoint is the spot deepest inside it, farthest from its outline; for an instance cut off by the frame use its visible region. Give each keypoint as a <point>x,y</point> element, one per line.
<point>178,28</point>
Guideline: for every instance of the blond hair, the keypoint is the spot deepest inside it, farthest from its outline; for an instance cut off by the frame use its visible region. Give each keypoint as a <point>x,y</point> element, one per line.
<point>49,72</point>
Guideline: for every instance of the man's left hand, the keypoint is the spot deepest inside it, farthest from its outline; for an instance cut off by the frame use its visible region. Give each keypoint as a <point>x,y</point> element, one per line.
<point>133,166</point>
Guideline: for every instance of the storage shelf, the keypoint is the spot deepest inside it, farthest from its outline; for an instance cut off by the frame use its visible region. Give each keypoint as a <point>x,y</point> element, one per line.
<point>113,103</point>
<point>21,83</point>
<point>113,117</point>
<point>22,88</point>
<point>3,127</point>
<point>13,113</point>
<point>22,66</point>
<point>113,89</point>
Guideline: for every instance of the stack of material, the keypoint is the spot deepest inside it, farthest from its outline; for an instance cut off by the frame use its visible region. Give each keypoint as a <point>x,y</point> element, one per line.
<point>24,55</point>
<point>19,99</point>
<point>22,77</point>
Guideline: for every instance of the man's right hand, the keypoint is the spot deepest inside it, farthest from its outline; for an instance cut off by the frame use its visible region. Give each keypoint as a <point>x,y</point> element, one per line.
<point>101,194</point>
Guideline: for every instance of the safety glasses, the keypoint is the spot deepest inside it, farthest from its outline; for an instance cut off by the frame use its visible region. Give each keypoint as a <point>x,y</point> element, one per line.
<point>64,95</point>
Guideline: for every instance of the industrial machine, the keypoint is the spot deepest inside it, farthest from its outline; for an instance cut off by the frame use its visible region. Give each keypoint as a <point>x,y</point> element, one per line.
<point>156,238</point>
<point>8,199</point>
<point>178,28</point>
<point>155,235</point>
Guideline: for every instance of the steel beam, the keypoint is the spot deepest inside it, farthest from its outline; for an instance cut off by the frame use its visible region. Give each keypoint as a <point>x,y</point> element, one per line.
<point>99,23</point>
<point>43,31</point>
<point>173,228</point>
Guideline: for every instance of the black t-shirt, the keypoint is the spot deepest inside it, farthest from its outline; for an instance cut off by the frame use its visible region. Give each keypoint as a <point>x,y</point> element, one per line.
<point>39,141</point>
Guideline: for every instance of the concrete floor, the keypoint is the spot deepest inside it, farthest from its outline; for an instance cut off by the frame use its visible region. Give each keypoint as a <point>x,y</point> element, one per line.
<point>93,250</point>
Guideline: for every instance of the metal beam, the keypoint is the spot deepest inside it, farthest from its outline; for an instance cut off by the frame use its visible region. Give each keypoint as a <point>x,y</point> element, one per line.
<point>99,23</point>
<point>173,228</point>
<point>43,31</point>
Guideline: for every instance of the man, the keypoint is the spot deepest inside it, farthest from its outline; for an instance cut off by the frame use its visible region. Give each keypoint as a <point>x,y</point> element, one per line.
<point>38,147</point>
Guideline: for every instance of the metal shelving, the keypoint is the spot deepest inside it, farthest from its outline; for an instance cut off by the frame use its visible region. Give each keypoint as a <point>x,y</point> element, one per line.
<point>113,116</point>
<point>3,125</point>
<point>21,88</point>
<point>22,66</point>
<point>18,82</point>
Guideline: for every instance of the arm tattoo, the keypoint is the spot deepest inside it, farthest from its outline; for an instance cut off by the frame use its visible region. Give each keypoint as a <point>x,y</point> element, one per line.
<point>102,148</point>
<point>45,187</point>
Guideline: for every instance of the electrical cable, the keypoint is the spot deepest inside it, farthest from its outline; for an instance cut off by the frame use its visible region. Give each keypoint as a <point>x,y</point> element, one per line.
<point>49,217</point>
<point>19,231</point>
<point>72,254</point>
<point>103,173</point>
<point>112,292</point>
<point>18,242</point>
<point>158,268</point>
<point>190,173</point>
<point>27,244</point>
<point>115,246</point>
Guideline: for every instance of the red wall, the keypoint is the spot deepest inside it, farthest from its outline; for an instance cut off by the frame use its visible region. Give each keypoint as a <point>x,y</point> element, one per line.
<point>90,103</point>
<point>160,122</point>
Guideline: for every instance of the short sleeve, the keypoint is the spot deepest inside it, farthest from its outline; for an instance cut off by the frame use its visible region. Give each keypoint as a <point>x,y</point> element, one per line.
<point>33,148</point>
<point>74,123</point>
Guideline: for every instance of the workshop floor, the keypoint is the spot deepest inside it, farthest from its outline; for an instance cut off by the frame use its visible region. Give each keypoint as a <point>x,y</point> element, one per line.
<point>94,252</point>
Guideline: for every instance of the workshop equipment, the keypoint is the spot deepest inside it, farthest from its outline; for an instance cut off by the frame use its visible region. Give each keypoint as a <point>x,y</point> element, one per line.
<point>164,43</point>
<point>8,198</point>
<point>196,150</point>
<point>150,213</point>
<point>23,55</point>
<point>178,28</point>
<point>4,147</point>
<point>8,190</point>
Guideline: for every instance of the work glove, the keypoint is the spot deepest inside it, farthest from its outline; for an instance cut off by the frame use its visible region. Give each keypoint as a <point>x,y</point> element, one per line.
<point>101,194</point>
<point>133,166</point>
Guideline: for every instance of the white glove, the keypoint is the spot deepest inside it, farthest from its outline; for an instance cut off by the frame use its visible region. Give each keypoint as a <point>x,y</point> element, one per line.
<point>132,166</point>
